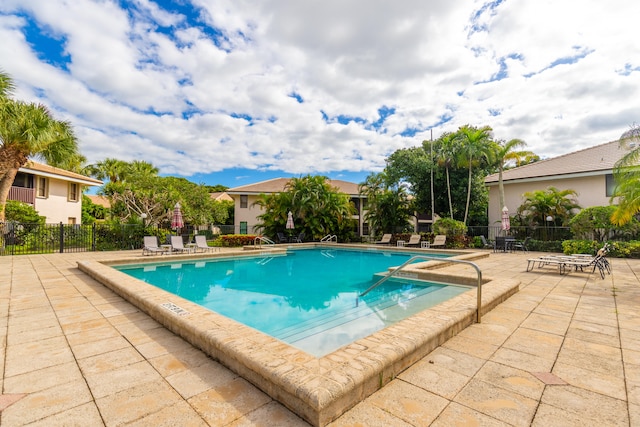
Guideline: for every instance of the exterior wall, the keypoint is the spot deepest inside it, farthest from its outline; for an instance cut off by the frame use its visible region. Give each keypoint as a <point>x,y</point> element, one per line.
<point>56,207</point>
<point>247,214</point>
<point>591,191</point>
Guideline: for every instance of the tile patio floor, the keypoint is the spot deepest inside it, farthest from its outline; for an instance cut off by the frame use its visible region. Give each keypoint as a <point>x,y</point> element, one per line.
<point>564,351</point>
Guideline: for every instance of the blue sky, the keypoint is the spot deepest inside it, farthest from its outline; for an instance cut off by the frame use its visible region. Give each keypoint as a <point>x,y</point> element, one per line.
<point>234,92</point>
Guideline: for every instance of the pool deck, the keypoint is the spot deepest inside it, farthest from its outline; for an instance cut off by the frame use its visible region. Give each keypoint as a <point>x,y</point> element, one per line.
<point>564,350</point>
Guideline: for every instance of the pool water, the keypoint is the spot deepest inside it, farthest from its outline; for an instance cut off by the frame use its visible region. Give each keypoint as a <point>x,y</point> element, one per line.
<point>309,298</point>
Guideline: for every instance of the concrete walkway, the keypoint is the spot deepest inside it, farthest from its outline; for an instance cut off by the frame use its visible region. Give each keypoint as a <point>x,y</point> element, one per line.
<point>564,351</point>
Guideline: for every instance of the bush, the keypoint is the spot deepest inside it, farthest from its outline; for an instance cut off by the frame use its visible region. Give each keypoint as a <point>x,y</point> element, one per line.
<point>236,240</point>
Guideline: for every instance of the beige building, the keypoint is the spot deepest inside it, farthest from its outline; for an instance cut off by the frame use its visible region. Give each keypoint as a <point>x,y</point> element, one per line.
<point>55,193</point>
<point>246,211</point>
<point>589,172</point>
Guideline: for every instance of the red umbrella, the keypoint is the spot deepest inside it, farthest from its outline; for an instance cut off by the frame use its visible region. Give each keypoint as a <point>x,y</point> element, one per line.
<point>176,220</point>
<point>506,223</point>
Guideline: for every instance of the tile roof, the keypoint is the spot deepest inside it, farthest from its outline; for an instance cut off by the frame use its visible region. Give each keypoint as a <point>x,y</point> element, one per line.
<point>99,200</point>
<point>276,185</point>
<point>594,160</point>
<point>43,169</point>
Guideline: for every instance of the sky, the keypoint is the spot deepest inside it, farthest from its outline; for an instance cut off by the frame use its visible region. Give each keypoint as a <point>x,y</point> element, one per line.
<point>234,92</point>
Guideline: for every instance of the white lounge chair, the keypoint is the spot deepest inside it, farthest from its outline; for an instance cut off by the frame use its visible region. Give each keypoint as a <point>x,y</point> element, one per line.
<point>201,244</point>
<point>150,246</point>
<point>386,240</point>
<point>439,241</point>
<point>177,245</point>
<point>414,240</point>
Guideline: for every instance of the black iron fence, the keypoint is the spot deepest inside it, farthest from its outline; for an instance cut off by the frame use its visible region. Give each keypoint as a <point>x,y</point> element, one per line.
<point>21,238</point>
<point>521,233</point>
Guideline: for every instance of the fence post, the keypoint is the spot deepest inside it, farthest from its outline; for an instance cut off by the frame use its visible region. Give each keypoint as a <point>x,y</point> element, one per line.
<point>93,237</point>
<point>61,237</point>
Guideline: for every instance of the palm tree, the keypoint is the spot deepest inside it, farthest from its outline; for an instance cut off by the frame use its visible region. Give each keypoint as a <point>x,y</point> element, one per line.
<point>28,130</point>
<point>446,155</point>
<point>541,204</point>
<point>109,168</point>
<point>505,152</point>
<point>475,145</point>
<point>627,177</point>
<point>388,207</point>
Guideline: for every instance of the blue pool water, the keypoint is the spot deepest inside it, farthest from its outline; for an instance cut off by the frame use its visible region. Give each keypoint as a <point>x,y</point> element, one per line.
<point>308,298</point>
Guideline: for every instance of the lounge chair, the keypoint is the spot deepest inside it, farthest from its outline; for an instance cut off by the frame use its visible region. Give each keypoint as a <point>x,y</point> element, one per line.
<point>577,262</point>
<point>386,240</point>
<point>414,240</point>
<point>150,246</point>
<point>177,245</point>
<point>485,243</point>
<point>201,244</point>
<point>439,241</point>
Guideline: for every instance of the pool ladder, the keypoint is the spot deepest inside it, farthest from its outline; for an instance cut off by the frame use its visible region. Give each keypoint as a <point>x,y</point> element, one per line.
<point>260,239</point>
<point>329,238</point>
<point>432,258</point>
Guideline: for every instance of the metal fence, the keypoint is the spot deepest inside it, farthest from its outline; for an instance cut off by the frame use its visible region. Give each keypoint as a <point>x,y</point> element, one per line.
<point>21,238</point>
<point>521,233</point>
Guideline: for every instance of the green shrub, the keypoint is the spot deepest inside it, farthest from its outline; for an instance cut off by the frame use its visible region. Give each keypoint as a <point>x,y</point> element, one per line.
<point>449,227</point>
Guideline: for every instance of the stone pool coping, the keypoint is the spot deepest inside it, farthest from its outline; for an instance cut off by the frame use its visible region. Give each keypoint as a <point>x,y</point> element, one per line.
<point>317,389</point>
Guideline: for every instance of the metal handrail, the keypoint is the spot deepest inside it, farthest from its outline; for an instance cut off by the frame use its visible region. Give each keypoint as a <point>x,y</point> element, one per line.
<point>329,237</point>
<point>432,258</point>
<point>263,239</point>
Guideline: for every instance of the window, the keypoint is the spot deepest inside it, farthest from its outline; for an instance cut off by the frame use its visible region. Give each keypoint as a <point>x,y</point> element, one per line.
<point>71,220</point>
<point>611,185</point>
<point>74,192</point>
<point>244,200</point>
<point>243,227</point>
<point>42,187</point>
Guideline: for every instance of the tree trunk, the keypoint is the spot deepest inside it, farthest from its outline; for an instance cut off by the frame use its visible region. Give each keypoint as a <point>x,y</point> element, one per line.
<point>466,209</point>
<point>500,190</point>
<point>449,194</point>
<point>5,186</point>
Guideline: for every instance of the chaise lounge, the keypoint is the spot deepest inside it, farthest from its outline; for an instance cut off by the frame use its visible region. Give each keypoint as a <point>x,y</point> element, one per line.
<point>439,241</point>
<point>386,240</point>
<point>150,246</point>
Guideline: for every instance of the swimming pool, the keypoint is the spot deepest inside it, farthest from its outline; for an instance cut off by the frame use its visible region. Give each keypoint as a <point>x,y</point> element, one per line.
<point>318,389</point>
<point>309,298</point>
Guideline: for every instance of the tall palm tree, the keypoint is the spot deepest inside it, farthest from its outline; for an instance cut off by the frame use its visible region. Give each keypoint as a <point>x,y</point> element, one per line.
<point>447,157</point>
<point>475,146</point>
<point>28,130</point>
<point>505,153</point>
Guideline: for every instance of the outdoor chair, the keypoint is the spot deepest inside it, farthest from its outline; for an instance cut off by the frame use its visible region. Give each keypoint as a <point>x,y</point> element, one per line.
<point>282,238</point>
<point>414,240</point>
<point>201,244</point>
<point>439,241</point>
<point>150,246</point>
<point>522,245</point>
<point>299,238</point>
<point>485,243</point>
<point>177,245</point>
<point>386,240</point>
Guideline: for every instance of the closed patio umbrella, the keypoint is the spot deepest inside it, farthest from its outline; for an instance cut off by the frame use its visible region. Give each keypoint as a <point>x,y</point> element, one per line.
<point>290,225</point>
<point>506,223</point>
<point>176,221</point>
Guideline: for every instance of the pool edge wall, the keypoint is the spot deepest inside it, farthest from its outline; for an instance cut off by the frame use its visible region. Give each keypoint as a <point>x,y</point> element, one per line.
<point>319,390</point>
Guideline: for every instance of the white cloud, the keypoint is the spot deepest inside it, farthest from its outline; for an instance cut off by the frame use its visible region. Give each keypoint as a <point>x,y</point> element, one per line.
<point>162,85</point>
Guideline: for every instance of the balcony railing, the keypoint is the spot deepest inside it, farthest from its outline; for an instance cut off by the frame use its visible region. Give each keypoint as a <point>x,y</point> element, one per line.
<point>22,194</point>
